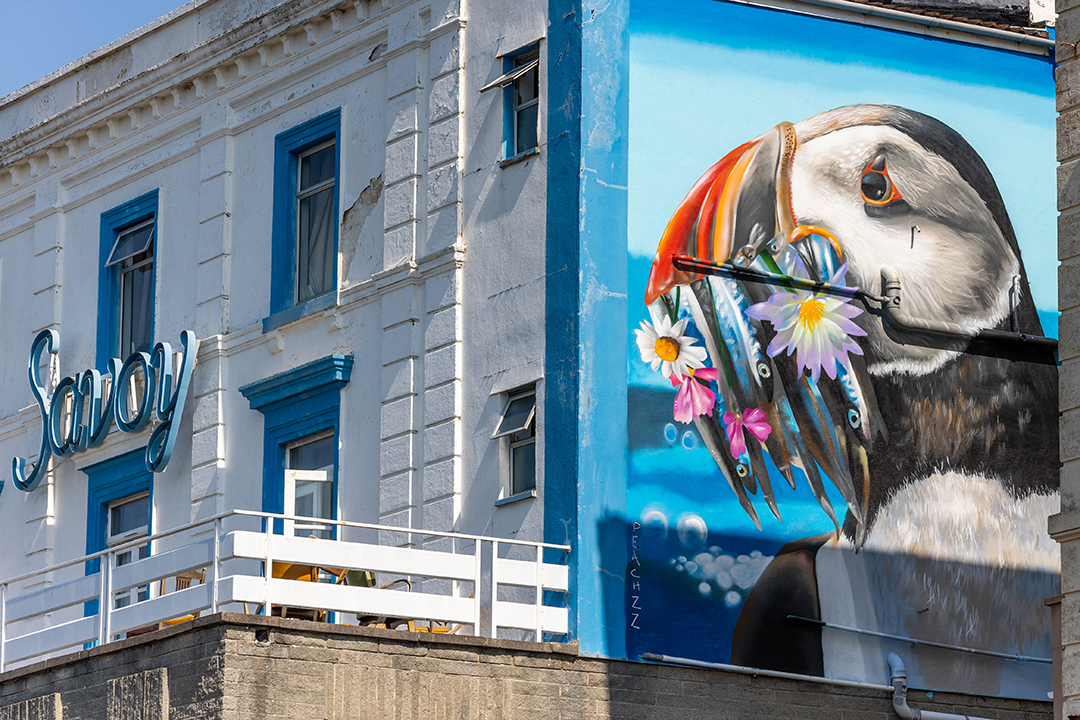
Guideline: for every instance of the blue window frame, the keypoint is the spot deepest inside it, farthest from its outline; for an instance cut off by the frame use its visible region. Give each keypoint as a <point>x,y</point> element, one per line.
<point>301,409</point>
<point>521,101</point>
<point>124,476</point>
<point>126,282</point>
<point>307,163</point>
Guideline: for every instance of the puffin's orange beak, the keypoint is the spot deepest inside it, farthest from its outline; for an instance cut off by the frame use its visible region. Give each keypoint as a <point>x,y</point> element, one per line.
<point>744,195</point>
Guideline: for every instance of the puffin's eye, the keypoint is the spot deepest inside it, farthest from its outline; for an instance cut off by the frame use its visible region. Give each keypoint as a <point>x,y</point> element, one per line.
<point>876,185</point>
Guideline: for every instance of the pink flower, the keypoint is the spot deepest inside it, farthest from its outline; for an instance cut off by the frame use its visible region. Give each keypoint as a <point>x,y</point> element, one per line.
<point>694,398</point>
<point>755,421</point>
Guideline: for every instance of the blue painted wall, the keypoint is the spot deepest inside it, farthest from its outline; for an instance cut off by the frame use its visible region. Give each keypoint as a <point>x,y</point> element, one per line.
<point>642,99</point>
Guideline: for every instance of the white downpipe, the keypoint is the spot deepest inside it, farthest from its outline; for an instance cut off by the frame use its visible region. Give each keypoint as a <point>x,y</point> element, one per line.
<point>763,673</point>
<point>899,699</point>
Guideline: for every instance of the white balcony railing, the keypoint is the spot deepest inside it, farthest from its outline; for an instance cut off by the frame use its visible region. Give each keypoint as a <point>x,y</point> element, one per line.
<point>456,581</point>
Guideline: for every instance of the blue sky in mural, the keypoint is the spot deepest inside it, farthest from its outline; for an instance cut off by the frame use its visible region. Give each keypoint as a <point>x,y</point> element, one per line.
<point>717,74</point>
<point>705,78</point>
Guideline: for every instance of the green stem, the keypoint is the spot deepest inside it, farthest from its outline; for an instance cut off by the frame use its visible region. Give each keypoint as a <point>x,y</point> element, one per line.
<point>770,263</point>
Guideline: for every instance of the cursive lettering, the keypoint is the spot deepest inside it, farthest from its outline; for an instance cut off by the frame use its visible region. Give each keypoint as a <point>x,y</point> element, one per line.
<point>104,407</point>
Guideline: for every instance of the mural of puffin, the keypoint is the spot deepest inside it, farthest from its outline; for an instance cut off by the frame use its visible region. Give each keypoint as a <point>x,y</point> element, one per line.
<point>944,450</point>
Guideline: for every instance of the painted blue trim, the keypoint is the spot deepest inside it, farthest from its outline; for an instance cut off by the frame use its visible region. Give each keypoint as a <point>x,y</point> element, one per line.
<point>108,481</point>
<point>287,147</point>
<point>292,386</point>
<point>602,296</point>
<point>113,221</point>
<point>586,311</point>
<point>562,352</point>
<point>297,404</point>
<point>312,306</point>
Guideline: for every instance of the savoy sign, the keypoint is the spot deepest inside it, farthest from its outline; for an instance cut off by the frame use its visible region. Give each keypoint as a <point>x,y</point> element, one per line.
<point>64,434</point>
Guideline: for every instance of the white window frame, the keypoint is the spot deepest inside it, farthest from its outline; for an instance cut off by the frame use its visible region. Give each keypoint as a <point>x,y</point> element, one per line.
<point>126,267</point>
<point>324,474</point>
<point>508,445</point>
<point>127,536</point>
<point>528,61</point>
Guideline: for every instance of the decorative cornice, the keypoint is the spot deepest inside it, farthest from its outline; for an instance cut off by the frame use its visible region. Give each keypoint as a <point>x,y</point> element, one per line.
<point>328,373</point>
<point>212,66</point>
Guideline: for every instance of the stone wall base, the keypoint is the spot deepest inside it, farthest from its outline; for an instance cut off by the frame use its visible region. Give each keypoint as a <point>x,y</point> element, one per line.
<point>241,667</point>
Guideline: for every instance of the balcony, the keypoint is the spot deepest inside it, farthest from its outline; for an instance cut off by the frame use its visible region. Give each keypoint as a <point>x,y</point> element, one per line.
<point>452,582</point>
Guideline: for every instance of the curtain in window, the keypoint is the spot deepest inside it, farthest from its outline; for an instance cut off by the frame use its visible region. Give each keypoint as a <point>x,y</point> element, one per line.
<point>315,269</point>
<point>138,310</point>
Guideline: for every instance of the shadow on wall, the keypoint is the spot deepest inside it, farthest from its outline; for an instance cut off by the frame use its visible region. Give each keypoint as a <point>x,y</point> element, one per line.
<point>732,599</point>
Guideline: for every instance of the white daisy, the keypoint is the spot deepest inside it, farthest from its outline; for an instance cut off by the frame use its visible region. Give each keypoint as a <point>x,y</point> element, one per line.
<point>667,347</point>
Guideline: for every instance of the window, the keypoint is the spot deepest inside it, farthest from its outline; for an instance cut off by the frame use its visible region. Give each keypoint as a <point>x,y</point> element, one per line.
<point>126,279</point>
<point>517,429</point>
<point>301,416</point>
<point>305,229</point>
<point>520,83</point>
<point>119,508</point>
<point>129,519</point>
<point>525,98</point>
<point>309,485</point>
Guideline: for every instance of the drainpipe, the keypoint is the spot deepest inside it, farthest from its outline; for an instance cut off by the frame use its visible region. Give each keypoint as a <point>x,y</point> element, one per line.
<point>899,698</point>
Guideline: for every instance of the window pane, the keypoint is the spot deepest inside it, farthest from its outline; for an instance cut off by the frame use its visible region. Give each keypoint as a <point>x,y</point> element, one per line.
<point>315,251</point>
<point>517,415</point>
<point>129,516</point>
<point>314,498</point>
<point>315,455</point>
<point>523,468</point>
<point>317,167</point>
<point>305,503</point>
<point>130,242</point>
<point>526,128</point>
<point>136,309</point>
<point>527,87</point>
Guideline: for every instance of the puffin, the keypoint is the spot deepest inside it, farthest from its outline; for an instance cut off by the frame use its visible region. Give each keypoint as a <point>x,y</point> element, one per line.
<point>942,443</point>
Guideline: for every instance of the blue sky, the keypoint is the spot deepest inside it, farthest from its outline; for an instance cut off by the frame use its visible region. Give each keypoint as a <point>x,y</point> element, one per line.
<point>75,28</point>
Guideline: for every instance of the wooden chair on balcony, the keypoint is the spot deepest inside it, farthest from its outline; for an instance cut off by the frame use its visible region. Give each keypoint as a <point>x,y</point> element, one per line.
<point>302,573</point>
<point>181,581</point>
<point>366,578</point>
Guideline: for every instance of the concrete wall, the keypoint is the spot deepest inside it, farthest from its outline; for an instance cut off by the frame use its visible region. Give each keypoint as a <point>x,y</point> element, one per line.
<point>239,667</point>
<point>1065,527</point>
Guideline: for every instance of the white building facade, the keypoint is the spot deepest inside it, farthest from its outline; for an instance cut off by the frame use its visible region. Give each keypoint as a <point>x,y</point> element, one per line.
<point>321,193</point>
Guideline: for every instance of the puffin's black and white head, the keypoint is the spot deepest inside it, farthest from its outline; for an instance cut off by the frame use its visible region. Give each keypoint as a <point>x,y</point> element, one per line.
<point>892,187</point>
<point>901,189</point>
<point>872,186</point>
